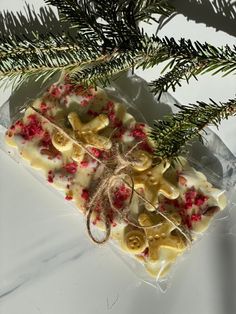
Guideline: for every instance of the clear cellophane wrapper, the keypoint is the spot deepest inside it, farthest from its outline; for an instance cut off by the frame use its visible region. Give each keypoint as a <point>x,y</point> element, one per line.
<point>150,242</point>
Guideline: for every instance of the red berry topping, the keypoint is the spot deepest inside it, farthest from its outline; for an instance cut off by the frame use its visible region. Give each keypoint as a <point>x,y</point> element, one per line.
<point>120,196</point>
<point>200,200</point>
<point>43,107</point>
<point>138,132</point>
<point>84,103</point>
<point>68,197</point>
<point>32,129</point>
<point>71,167</point>
<point>85,194</point>
<point>96,152</point>
<point>196,217</point>
<point>50,176</point>
<point>84,164</point>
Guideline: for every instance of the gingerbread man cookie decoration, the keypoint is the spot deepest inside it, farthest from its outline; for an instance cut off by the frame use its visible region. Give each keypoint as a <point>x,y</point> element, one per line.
<point>160,235</point>
<point>153,183</point>
<point>87,133</point>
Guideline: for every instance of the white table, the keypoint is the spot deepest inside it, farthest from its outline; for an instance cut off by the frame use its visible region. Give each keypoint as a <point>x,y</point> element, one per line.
<point>48,266</point>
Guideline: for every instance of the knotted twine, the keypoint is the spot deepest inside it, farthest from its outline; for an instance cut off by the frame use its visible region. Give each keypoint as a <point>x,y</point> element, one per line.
<point>118,167</point>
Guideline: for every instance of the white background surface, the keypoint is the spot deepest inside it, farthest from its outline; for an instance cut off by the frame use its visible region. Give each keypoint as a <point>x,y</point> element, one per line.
<point>48,266</point>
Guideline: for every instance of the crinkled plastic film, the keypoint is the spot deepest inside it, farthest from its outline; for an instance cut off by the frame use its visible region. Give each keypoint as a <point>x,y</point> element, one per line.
<point>213,159</point>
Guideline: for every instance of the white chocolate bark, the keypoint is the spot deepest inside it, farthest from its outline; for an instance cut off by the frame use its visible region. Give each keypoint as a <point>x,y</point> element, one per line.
<point>91,117</point>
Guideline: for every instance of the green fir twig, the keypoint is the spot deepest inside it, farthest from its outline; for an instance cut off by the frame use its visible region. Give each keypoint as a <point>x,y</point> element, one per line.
<point>188,59</point>
<point>172,134</point>
<point>191,59</point>
<point>172,79</point>
<point>109,26</point>
<point>45,55</point>
<point>108,41</point>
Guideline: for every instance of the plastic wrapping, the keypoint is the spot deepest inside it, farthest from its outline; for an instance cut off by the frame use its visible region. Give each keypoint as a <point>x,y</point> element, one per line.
<point>211,160</point>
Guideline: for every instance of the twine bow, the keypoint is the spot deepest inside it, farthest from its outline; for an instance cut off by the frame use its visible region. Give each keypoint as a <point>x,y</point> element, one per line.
<point>116,169</point>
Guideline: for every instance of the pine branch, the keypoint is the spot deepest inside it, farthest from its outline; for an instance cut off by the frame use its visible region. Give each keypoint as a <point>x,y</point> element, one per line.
<point>147,53</point>
<point>113,25</point>
<point>172,79</point>
<point>171,135</point>
<point>45,53</point>
<point>20,58</point>
<point>204,57</point>
<point>142,9</point>
<point>110,26</point>
<point>116,41</point>
<point>80,15</point>
<point>28,41</point>
<point>191,59</point>
<point>118,62</point>
<point>101,73</point>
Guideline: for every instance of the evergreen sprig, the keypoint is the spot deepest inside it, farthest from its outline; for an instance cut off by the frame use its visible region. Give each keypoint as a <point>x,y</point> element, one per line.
<point>191,59</point>
<point>112,25</point>
<point>45,55</point>
<point>110,35</point>
<point>101,73</point>
<point>187,59</point>
<point>172,79</point>
<point>109,26</point>
<point>172,134</point>
<point>147,53</point>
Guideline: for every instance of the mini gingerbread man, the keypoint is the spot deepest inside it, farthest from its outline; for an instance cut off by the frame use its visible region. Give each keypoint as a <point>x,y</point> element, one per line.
<point>153,183</point>
<point>87,133</point>
<point>160,236</point>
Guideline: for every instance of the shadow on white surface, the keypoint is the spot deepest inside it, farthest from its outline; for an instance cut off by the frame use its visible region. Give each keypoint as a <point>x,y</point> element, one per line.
<point>219,14</point>
<point>29,20</point>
